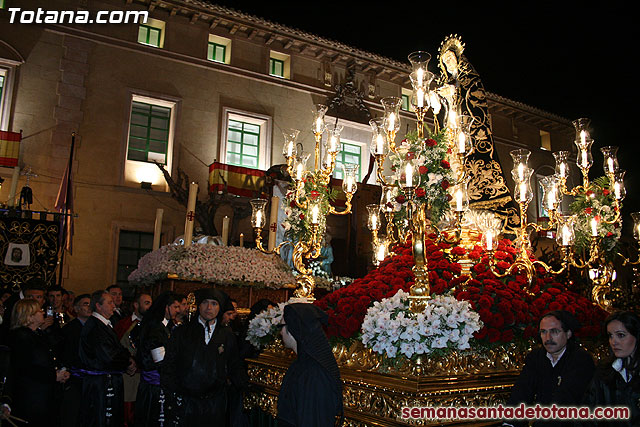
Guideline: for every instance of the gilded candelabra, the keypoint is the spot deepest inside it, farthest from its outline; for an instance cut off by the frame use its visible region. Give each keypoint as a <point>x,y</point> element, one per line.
<point>407,177</point>
<point>601,271</point>
<point>311,194</point>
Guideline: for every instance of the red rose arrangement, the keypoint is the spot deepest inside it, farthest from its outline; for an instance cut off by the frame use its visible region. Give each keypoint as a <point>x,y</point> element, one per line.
<point>510,307</point>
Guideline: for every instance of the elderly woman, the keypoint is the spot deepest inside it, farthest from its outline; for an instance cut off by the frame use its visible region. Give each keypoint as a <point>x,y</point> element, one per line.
<point>617,381</point>
<point>33,372</point>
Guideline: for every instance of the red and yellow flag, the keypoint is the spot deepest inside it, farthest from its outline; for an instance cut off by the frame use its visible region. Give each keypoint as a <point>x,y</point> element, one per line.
<point>9,148</point>
<point>239,180</point>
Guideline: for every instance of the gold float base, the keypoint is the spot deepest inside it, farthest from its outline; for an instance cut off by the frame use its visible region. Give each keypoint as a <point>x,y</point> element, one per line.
<point>374,394</point>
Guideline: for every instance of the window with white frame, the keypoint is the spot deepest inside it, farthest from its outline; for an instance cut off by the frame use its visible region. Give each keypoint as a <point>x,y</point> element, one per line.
<point>279,65</point>
<point>7,73</point>
<point>246,139</point>
<point>149,130</point>
<point>152,33</point>
<point>219,49</point>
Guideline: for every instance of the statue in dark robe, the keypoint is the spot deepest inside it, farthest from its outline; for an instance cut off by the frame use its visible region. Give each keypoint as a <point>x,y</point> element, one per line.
<point>311,391</point>
<point>460,86</point>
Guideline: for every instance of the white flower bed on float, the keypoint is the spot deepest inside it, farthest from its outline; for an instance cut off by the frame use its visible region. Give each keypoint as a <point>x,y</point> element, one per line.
<point>391,329</point>
<point>231,265</point>
<point>263,328</point>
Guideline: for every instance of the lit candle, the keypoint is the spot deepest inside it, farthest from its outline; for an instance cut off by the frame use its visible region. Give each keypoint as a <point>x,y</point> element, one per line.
<point>563,171</point>
<point>157,229</point>
<point>409,175</point>
<point>420,76</point>
<point>273,222</point>
<point>333,143</point>
<point>459,200</point>
<point>258,219</point>
<point>566,235</point>
<point>610,164</point>
<point>551,199</point>
<point>225,230</point>
<point>420,97</point>
<point>462,139</point>
<point>349,183</point>
<point>453,119</point>
<point>290,149</point>
<point>523,192</point>
<point>489,240</point>
<point>583,137</point>
<point>381,251</point>
<point>616,189</point>
<point>299,171</point>
<point>584,156</point>
<point>379,144</point>
<point>392,122</point>
<point>241,240</point>
<point>315,214</point>
<point>594,227</point>
<point>319,125</point>
<point>521,172</point>
<point>374,221</point>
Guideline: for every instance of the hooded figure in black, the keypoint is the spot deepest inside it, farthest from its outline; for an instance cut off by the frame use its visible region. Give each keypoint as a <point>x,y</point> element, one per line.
<point>311,392</point>
<point>155,330</point>
<point>201,358</point>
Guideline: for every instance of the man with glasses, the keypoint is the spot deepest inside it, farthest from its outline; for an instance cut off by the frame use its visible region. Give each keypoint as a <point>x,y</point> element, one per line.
<point>556,373</point>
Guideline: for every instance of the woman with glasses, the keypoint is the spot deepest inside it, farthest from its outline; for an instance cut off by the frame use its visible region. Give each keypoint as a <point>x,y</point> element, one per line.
<point>33,369</point>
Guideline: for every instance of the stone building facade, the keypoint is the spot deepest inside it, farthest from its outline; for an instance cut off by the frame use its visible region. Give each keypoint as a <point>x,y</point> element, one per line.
<point>194,72</point>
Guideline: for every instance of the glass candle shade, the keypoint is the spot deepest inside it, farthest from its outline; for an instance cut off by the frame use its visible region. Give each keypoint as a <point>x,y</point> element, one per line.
<point>522,178</point>
<point>419,61</point>
<point>565,234</point>
<point>332,145</point>
<point>258,218</point>
<point>463,137</point>
<point>349,180</point>
<point>551,193</point>
<point>520,161</point>
<point>388,197</point>
<point>319,124</point>
<point>585,158</point>
<point>391,106</point>
<point>373,220</point>
<point>582,130</point>
<point>490,238</point>
<point>379,251</point>
<point>314,211</point>
<point>408,174</point>
<point>619,191</point>
<point>610,155</point>
<point>300,166</point>
<point>460,201</point>
<point>289,148</point>
<point>378,144</point>
<point>562,163</point>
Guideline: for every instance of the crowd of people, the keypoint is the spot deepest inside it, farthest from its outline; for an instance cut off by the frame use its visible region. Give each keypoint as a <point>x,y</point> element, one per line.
<point>85,360</point>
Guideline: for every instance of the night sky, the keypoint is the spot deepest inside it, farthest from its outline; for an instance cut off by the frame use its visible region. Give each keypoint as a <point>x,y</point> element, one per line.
<point>574,61</point>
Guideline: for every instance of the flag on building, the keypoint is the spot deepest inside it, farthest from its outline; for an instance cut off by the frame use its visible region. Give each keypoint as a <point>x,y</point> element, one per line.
<point>9,148</point>
<point>238,180</point>
<point>64,204</point>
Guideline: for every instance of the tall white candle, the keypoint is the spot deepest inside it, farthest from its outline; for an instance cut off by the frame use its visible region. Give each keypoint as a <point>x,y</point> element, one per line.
<point>616,189</point>
<point>459,200</point>
<point>420,98</point>
<point>594,227</point>
<point>566,235</point>
<point>273,222</point>
<point>408,175</point>
<point>258,219</point>
<point>157,229</point>
<point>225,231</point>
<point>521,172</point>
<point>420,75</point>
<point>523,192</point>
<point>379,144</point>
<point>290,149</point>
<point>315,214</point>
<point>563,171</point>
<point>610,164</point>
<point>14,186</point>
<point>392,122</point>
<point>191,214</point>
<point>583,137</point>
<point>374,221</point>
<point>585,158</point>
<point>489,240</point>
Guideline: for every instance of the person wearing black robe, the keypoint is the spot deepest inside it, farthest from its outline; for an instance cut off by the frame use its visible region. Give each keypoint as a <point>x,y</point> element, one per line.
<point>33,367</point>
<point>155,330</point>
<point>311,391</point>
<point>557,373</point>
<point>104,360</point>
<point>70,359</point>
<point>202,356</point>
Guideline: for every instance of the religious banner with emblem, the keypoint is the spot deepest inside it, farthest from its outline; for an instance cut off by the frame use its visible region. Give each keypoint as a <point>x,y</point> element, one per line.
<point>28,250</point>
<point>237,180</point>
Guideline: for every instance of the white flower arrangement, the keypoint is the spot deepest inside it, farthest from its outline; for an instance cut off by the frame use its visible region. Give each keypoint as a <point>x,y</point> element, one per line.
<point>390,328</point>
<point>263,328</point>
<point>229,265</point>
